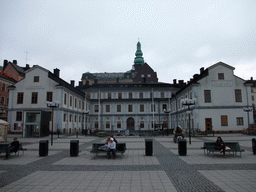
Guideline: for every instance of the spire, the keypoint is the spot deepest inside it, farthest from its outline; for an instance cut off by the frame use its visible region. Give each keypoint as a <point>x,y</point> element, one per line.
<point>139,60</point>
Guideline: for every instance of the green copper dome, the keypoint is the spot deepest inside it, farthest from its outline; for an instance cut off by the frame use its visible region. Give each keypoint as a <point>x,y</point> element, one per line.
<point>139,60</point>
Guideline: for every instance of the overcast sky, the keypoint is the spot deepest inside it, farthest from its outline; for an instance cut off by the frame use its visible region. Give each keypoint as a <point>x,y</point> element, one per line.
<point>177,37</point>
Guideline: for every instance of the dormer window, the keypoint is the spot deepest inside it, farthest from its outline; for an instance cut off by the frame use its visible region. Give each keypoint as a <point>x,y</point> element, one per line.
<point>142,75</point>
<point>36,79</point>
<point>221,76</point>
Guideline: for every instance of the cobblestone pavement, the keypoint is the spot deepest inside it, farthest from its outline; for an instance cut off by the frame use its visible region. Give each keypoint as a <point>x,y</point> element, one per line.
<point>164,171</point>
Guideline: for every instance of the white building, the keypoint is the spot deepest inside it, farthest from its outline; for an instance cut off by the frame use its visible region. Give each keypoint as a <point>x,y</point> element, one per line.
<point>221,97</point>
<point>27,103</point>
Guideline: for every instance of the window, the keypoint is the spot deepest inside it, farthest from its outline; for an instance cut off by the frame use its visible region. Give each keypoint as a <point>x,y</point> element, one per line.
<point>80,118</point>
<point>153,108</point>
<point>252,97</point>
<point>75,118</point>
<point>118,108</point>
<point>141,107</point>
<point>19,116</point>
<point>70,101</point>
<point>20,98</point>
<point>2,100</point>
<point>164,107</point>
<point>107,124</point>
<point>141,95</point>
<point>118,124</point>
<point>224,120</point>
<point>153,123</point>
<point>221,76</point>
<point>3,87</point>
<point>149,75</point>
<point>109,95</point>
<point>75,102</point>
<point>162,94</point>
<point>34,97</point>
<point>129,108</point>
<point>83,105</point>
<point>238,95</point>
<point>49,96</point>
<point>80,104</point>
<point>36,79</point>
<point>130,95</point>
<point>96,108</point>
<point>65,117</point>
<point>65,99</point>
<point>70,118</point>
<point>207,96</point>
<point>107,108</point>
<point>239,121</point>
<point>142,125</point>
<point>119,95</point>
<point>96,125</point>
<point>142,75</point>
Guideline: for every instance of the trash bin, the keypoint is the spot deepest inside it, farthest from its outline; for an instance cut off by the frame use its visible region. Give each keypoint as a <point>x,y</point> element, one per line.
<point>182,147</point>
<point>148,147</point>
<point>74,148</point>
<point>254,146</point>
<point>43,148</point>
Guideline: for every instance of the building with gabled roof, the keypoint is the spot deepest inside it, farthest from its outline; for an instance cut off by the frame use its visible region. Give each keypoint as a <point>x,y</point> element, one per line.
<point>220,99</point>
<point>28,112</point>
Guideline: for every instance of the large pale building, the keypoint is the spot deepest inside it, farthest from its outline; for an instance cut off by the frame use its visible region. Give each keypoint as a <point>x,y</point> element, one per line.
<point>220,99</point>
<point>130,102</point>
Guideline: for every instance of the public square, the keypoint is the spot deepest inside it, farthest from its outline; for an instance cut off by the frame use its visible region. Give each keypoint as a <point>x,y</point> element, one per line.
<point>165,170</point>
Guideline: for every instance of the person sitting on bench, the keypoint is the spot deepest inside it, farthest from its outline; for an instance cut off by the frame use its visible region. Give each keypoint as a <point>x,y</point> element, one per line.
<point>111,148</point>
<point>219,145</point>
<point>14,147</point>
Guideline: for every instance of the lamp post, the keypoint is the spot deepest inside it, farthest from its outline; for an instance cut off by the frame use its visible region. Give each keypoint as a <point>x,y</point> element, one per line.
<point>248,109</point>
<point>52,105</point>
<point>85,120</point>
<point>188,102</point>
<point>167,113</point>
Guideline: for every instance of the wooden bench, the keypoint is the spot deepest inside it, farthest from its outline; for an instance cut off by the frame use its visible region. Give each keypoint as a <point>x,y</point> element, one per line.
<point>209,147</point>
<point>101,134</point>
<point>120,148</point>
<point>4,148</point>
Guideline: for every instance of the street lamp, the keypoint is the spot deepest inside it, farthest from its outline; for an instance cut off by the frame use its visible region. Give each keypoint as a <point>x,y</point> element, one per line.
<point>248,109</point>
<point>188,102</point>
<point>85,128</point>
<point>167,113</point>
<point>52,105</point>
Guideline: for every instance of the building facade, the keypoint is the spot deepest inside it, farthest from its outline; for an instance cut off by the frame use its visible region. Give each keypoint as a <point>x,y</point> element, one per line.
<point>28,108</point>
<point>220,99</point>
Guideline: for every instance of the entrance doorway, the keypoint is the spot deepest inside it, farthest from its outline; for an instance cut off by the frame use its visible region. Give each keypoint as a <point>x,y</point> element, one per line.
<point>208,124</point>
<point>130,123</point>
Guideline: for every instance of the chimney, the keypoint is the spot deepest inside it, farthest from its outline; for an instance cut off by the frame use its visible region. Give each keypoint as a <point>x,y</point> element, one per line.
<point>72,82</point>
<point>195,76</point>
<point>95,81</point>
<point>251,78</point>
<point>5,63</point>
<point>201,70</point>
<point>117,80</point>
<point>181,82</point>
<point>174,81</point>
<point>27,66</point>
<point>14,62</point>
<point>56,72</point>
<point>80,83</point>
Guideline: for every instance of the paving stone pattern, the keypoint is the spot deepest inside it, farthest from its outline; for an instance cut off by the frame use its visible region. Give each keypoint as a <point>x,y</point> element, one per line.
<point>164,171</point>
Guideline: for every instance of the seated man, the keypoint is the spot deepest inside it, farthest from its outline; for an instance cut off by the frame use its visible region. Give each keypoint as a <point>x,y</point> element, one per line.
<point>111,148</point>
<point>14,147</point>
